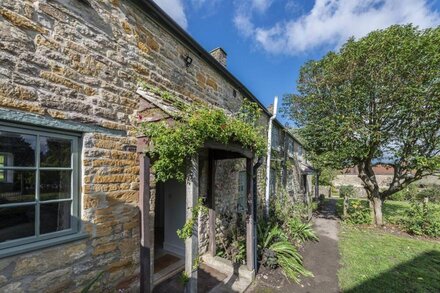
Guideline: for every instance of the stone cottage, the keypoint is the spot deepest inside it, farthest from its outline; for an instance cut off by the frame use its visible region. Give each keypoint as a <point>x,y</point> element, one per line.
<point>78,200</point>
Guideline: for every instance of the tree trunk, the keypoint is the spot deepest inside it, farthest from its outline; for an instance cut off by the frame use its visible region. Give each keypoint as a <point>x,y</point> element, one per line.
<point>370,202</point>
<point>377,209</point>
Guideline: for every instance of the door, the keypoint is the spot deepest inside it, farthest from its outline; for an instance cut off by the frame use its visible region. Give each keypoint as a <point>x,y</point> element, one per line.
<point>174,205</point>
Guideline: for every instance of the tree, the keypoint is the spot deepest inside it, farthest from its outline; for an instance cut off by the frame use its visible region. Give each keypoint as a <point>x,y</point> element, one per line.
<point>325,174</point>
<point>376,100</point>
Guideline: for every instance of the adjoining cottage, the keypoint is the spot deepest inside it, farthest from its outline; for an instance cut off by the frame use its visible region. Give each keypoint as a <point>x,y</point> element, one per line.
<point>77,198</point>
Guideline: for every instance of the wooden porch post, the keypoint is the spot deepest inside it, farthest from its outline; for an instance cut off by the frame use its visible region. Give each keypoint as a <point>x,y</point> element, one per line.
<point>191,244</point>
<point>250,217</point>
<point>211,204</point>
<point>146,276</point>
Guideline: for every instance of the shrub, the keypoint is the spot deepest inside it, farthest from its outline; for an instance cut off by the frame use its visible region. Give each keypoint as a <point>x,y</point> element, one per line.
<point>315,206</point>
<point>275,250</point>
<point>289,260</point>
<point>422,219</point>
<point>231,238</point>
<point>407,193</point>
<point>284,208</point>
<point>358,213</point>
<point>346,191</point>
<point>291,218</point>
<point>432,193</point>
<point>300,231</point>
<point>238,250</point>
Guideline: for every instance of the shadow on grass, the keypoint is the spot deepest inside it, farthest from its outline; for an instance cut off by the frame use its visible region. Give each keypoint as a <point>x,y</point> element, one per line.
<point>393,211</point>
<point>421,274</point>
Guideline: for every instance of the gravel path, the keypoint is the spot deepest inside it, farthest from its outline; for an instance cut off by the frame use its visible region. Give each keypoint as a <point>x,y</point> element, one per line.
<point>322,258</point>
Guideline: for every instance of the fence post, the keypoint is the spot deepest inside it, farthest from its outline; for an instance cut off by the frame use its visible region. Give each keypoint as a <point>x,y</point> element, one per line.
<point>425,200</point>
<point>345,206</point>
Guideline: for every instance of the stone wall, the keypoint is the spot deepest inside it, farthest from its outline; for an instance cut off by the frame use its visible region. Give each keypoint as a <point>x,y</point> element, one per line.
<point>383,181</point>
<point>228,220</point>
<point>81,61</point>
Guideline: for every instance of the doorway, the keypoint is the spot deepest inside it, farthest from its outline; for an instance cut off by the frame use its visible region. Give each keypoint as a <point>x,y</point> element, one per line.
<point>170,215</point>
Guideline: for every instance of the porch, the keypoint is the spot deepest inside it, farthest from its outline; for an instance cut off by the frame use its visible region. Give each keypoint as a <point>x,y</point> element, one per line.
<point>166,206</point>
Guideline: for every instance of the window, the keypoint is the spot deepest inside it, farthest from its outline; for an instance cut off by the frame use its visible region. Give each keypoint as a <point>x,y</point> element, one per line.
<point>290,182</point>
<point>242,190</point>
<point>38,186</point>
<point>290,148</point>
<point>2,164</point>
<point>275,138</point>
<point>273,182</point>
<point>300,150</point>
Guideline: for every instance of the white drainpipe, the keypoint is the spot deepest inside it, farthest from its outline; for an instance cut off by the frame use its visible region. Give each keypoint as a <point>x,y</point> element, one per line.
<point>269,151</point>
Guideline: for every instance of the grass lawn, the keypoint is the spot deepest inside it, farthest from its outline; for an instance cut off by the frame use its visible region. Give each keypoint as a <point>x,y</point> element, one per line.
<point>393,211</point>
<point>373,261</point>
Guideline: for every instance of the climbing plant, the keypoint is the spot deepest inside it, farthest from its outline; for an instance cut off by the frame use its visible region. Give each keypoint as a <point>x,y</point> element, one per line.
<point>194,125</point>
<point>187,229</point>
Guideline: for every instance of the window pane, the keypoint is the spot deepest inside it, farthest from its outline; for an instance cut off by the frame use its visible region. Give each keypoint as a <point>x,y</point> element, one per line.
<point>54,184</point>
<point>242,190</point>
<point>55,152</point>
<point>18,149</point>
<point>272,182</point>
<point>54,217</point>
<point>17,186</point>
<point>17,222</point>
<point>2,164</point>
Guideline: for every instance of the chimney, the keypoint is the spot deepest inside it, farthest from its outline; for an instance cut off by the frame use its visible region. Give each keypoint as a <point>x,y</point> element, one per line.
<point>220,55</point>
<point>270,109</point>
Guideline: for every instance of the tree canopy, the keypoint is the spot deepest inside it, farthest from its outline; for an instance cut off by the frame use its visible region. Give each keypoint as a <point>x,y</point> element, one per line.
<point>376,100</point>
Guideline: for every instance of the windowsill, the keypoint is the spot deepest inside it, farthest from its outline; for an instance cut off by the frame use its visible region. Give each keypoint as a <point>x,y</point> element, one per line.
<point>41,244</point>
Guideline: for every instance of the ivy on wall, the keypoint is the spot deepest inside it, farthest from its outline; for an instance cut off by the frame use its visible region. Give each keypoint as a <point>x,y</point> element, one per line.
<point>187,230</point>
<point>196,124</point>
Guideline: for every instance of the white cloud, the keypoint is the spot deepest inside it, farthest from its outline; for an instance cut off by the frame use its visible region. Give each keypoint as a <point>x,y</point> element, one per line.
<point>261,5</point>
<point>332,22</point>
<point>243,23</point>
<point>175,9</point>
<point>243,14</point>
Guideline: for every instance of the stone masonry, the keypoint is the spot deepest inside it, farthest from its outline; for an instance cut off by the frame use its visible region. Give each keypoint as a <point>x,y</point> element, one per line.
<point>81,61</point>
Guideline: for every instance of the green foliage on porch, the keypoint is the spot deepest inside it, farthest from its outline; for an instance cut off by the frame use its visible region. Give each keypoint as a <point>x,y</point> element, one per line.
<point>196,124</point>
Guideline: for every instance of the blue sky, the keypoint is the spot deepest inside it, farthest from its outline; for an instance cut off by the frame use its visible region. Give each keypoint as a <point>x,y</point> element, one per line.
<point>267,41</point>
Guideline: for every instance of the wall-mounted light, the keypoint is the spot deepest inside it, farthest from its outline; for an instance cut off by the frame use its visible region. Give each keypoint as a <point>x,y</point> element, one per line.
<point>188,61</point>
